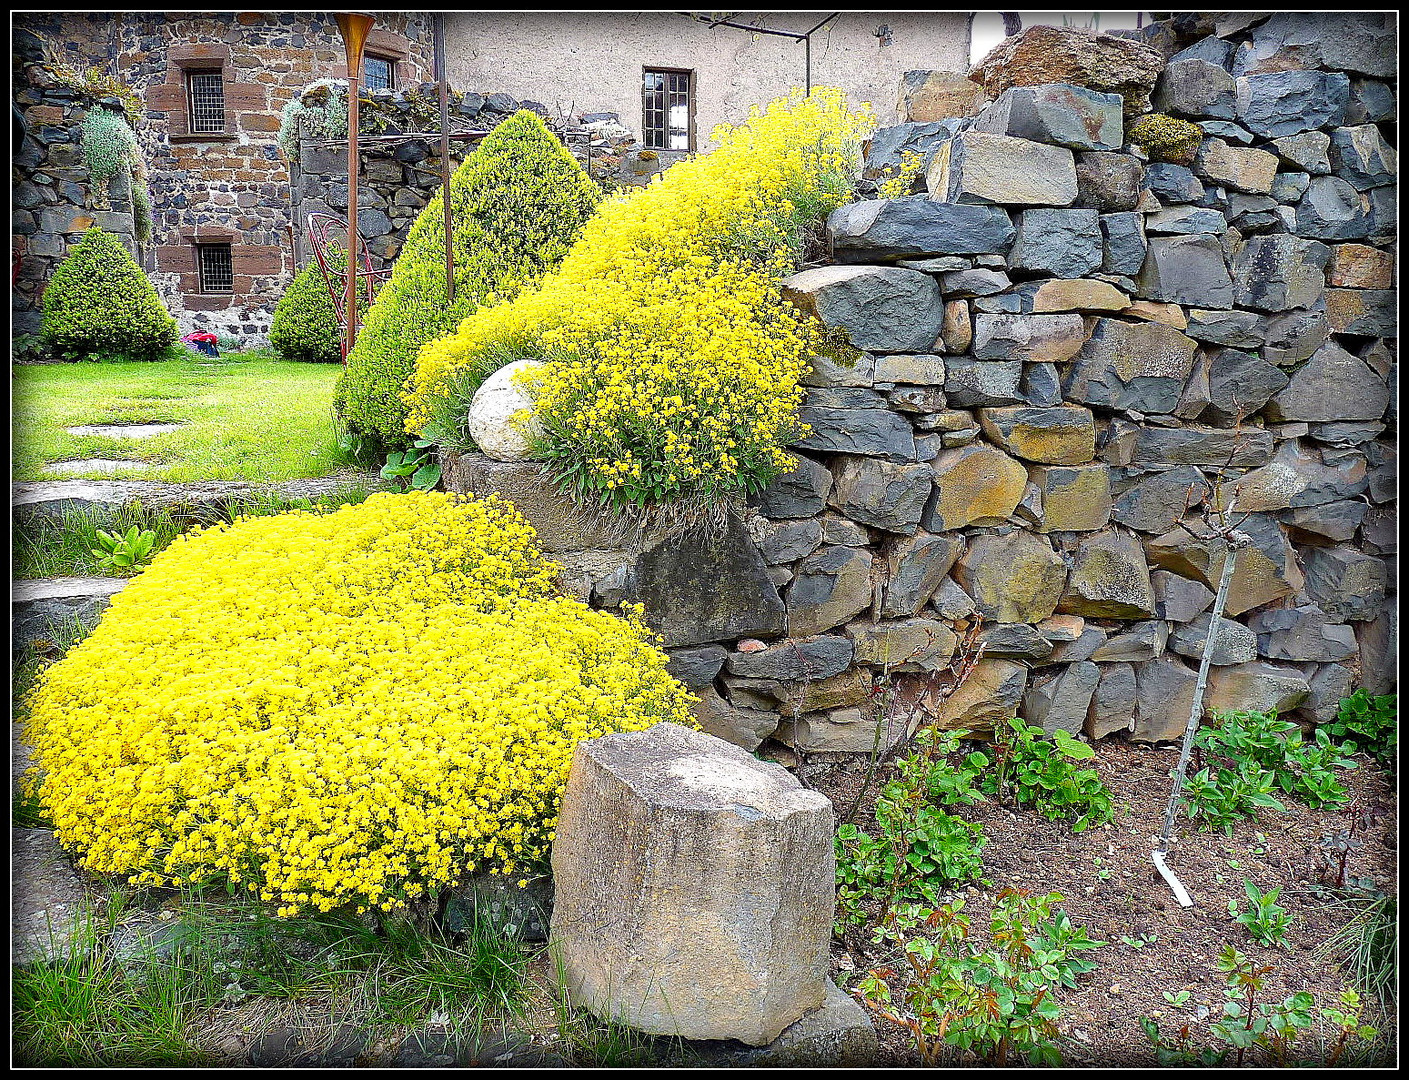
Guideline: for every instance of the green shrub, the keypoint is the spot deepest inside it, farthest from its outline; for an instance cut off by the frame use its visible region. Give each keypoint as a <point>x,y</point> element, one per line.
<point>1037,772</point>
<point>518,203</point>
<point>305,326</point>
<point>100,306</point>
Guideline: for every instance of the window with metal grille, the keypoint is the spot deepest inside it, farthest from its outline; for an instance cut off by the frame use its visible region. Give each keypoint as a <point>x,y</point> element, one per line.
<point>206,92</point>
<point>380,73</point>
<point>667,108</point>
<point>217,270</point>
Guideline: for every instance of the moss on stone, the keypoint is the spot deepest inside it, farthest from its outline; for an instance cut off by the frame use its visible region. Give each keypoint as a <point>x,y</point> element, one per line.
<point>1166,138</point>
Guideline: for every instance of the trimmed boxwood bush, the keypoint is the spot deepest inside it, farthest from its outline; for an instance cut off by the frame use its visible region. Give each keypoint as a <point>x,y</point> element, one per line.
<point>305,326</point>
<point>519,202</point>
<point>99,305</point>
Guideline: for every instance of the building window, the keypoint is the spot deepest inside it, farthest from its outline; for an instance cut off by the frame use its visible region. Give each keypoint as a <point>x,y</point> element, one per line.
<point>667,104</point>
<point>217,270</point>
<point>205,91</point>
<point>379,73</point>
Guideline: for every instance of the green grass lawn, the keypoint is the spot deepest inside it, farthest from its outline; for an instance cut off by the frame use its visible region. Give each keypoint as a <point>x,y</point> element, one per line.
<point>247,417</point>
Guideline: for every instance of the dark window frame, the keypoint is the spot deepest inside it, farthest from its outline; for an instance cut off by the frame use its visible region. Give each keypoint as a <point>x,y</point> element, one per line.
<point>651,131</point>
<point>212,247</point>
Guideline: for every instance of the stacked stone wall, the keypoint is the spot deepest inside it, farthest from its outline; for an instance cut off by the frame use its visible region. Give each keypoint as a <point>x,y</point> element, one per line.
<point>1065,353</point>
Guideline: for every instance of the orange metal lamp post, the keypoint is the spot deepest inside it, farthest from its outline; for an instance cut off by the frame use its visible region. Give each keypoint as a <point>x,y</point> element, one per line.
<point>354,27</point>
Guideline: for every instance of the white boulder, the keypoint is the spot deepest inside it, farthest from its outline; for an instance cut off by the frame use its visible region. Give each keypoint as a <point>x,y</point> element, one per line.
<point>501,417</point>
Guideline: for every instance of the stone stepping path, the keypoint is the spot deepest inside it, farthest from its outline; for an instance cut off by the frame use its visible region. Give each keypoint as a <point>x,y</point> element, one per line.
<point>37,605</point>
<point>124,431</point>
<point>49,903</point>
<point>96,465</point>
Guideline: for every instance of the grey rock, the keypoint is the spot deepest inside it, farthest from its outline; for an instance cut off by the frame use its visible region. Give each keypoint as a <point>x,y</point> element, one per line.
<point>1255,687</point>
<point>560,524</point>
<point>880,494</point>
<point>1188,270</point>
<point>1041,386</point>
<point>1333,520</point>
<point>788,541</point>
<point>1288,102</point>
<point>1074,498</point>
<point>1109,579</point>
<point>1014,578</point>
<point>850,730</point>
<point>1184,220</point>
<point>979,167</point>
<point>1057,113</point>
<point>706,585</point>
<point>1294,336</point>
<point>1084,647</point>
<point>877,432</point>
<point>838,530</point>
<point>888,146</point>
<point>977,282</point>
<point>40,607</point>
<point>915,567</point>
<point>1212,49</point>
<point>696,667</point>
<point>1297,477</point>
<point>883,309</point>
<point>1143,641</point>
<point>1108,182</point>
<point>1228,131</point>
<point>1172,183</point>
<point>929,400</point>
<point>1333,210</point>
<point>831,586</point>
<point>1158,501</point>
<point>49,908</point>
<point>1366,312</point>
<point>1332,386</point>
<point>1379,651</point>
<point>1233,643</point>
<point>1015,641</point>
<point>1371,102</point>
<point>717,962</point>
<point>1355,41</point>
<point>952,602</point>
<point>827,371</point>
<point>1192,445</point>
<point>1123,243</point>
<point>1033,338</point>
<point>883,230</point>
<point>1239,329</point>
<point>1330,684</point>
<point>838,1034</point>
<point>1179,599</point>
<point>1164,699</point>
<point>939,265</point>
<point>1384,214</point>
<point>998,304</point>
<point>1263,571</point>
<point>1348,585</point>
<point>1063,242</point>
<point>1289,187</point>
<point>1112,701</point>
<point>1239,384</point>
<point>1195,87</point>
<point>983,382</point>
<point>798,493</point>
<point>1345,434</point>
<point>1131,366</point>
<point>1059,701</point>
<point>1301,633</point>
<point>804,660</point>
<point>906,645</point>
<point>1308,151</point>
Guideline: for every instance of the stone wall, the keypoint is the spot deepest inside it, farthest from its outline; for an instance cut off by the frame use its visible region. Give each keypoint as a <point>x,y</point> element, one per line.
<point>1065,352</point>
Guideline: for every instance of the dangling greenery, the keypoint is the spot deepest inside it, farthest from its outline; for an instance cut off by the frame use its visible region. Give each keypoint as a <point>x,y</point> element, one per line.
<point>518,203</point>
<point>305,326</point>
<point>110,148</point>
<point>322,106</point>
<point>100,306</point>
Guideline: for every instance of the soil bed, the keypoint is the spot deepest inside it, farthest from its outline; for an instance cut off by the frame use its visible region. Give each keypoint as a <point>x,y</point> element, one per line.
<point>1110,887</point>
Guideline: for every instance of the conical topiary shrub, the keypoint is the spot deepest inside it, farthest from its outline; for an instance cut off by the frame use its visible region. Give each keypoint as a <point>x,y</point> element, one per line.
<point>518,203</point>
<point>305,326</point>
<point>100,306</point>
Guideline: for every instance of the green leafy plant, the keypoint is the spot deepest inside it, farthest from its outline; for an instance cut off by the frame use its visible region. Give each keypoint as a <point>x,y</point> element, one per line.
<point>1369,724</point>
<point>124,551</point>
<point>1265,919</point>
<point>993,1002</point>
<point>1255,758</point>
<point>1038,772</point>
<point>418,466</point>
<point>1270,1031</point>
<point>305,325</point>
<point>518,203</point>
<point>99,303</point>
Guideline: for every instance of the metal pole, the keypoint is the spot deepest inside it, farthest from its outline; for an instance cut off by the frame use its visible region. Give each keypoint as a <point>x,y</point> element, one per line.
<point>445,155</point>
<point>353,26</point>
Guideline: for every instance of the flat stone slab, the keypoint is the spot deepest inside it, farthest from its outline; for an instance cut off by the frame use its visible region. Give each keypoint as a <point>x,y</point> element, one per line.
<point>839,1033</point>
<point>124,431</point>
<point>49,904</point>
<point>37,605</point>
<point>95,465</point>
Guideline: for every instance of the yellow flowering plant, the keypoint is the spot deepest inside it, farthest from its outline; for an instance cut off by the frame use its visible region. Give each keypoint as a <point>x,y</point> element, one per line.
<point>672,362</point>
<point>358,707</point>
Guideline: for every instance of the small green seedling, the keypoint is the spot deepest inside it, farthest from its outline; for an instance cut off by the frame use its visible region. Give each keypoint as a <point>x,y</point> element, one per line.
<point>1265,919</point>
<point>122,551</point>
<point>418,466</point>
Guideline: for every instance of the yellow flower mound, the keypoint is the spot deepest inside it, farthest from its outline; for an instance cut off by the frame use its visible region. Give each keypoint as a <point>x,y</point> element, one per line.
<point>672,361</point>
<point>355,707</point>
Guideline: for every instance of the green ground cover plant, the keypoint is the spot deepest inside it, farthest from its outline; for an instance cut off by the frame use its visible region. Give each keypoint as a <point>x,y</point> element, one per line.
<point>99,305</point>
<point>518,202</point>
<point>1368,723</point>
<point>245,416</point>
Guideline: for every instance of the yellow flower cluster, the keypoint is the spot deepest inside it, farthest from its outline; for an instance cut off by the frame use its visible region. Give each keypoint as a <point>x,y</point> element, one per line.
<point>356,707</point>
<point>672,361</point>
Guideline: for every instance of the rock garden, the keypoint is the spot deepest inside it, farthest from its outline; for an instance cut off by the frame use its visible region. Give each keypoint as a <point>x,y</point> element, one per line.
<point>916,596</point>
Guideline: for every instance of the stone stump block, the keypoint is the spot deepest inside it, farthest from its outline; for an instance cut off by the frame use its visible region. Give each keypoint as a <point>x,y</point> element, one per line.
<point>695,887</point>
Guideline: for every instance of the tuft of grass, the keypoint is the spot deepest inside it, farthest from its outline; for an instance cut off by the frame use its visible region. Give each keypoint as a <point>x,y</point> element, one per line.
<point>1368,944</point>
<point>247,416</point>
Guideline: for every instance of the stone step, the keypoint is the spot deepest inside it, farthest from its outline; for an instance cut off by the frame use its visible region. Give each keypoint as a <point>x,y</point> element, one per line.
<point>38,605</point>
<point>50,907</point>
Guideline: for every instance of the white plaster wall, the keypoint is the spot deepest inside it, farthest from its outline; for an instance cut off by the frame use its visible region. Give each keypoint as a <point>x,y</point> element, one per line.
<point>576,62</point>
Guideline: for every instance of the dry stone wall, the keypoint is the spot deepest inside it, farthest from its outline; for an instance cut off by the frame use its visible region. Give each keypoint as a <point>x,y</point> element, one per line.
<point>1066,351</point>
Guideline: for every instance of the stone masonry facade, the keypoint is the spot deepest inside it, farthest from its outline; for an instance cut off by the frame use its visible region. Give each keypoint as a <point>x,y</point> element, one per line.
<point>1066,350</point>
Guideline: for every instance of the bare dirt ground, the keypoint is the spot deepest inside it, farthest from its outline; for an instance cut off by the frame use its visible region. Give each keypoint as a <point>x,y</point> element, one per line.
<point>1109,886</point>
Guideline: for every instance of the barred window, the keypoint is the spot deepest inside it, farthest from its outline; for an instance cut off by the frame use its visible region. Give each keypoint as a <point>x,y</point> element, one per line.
<point>667,105</point>
<point>217,269</point>
<point>205,90</point>
<point>380,73</point>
